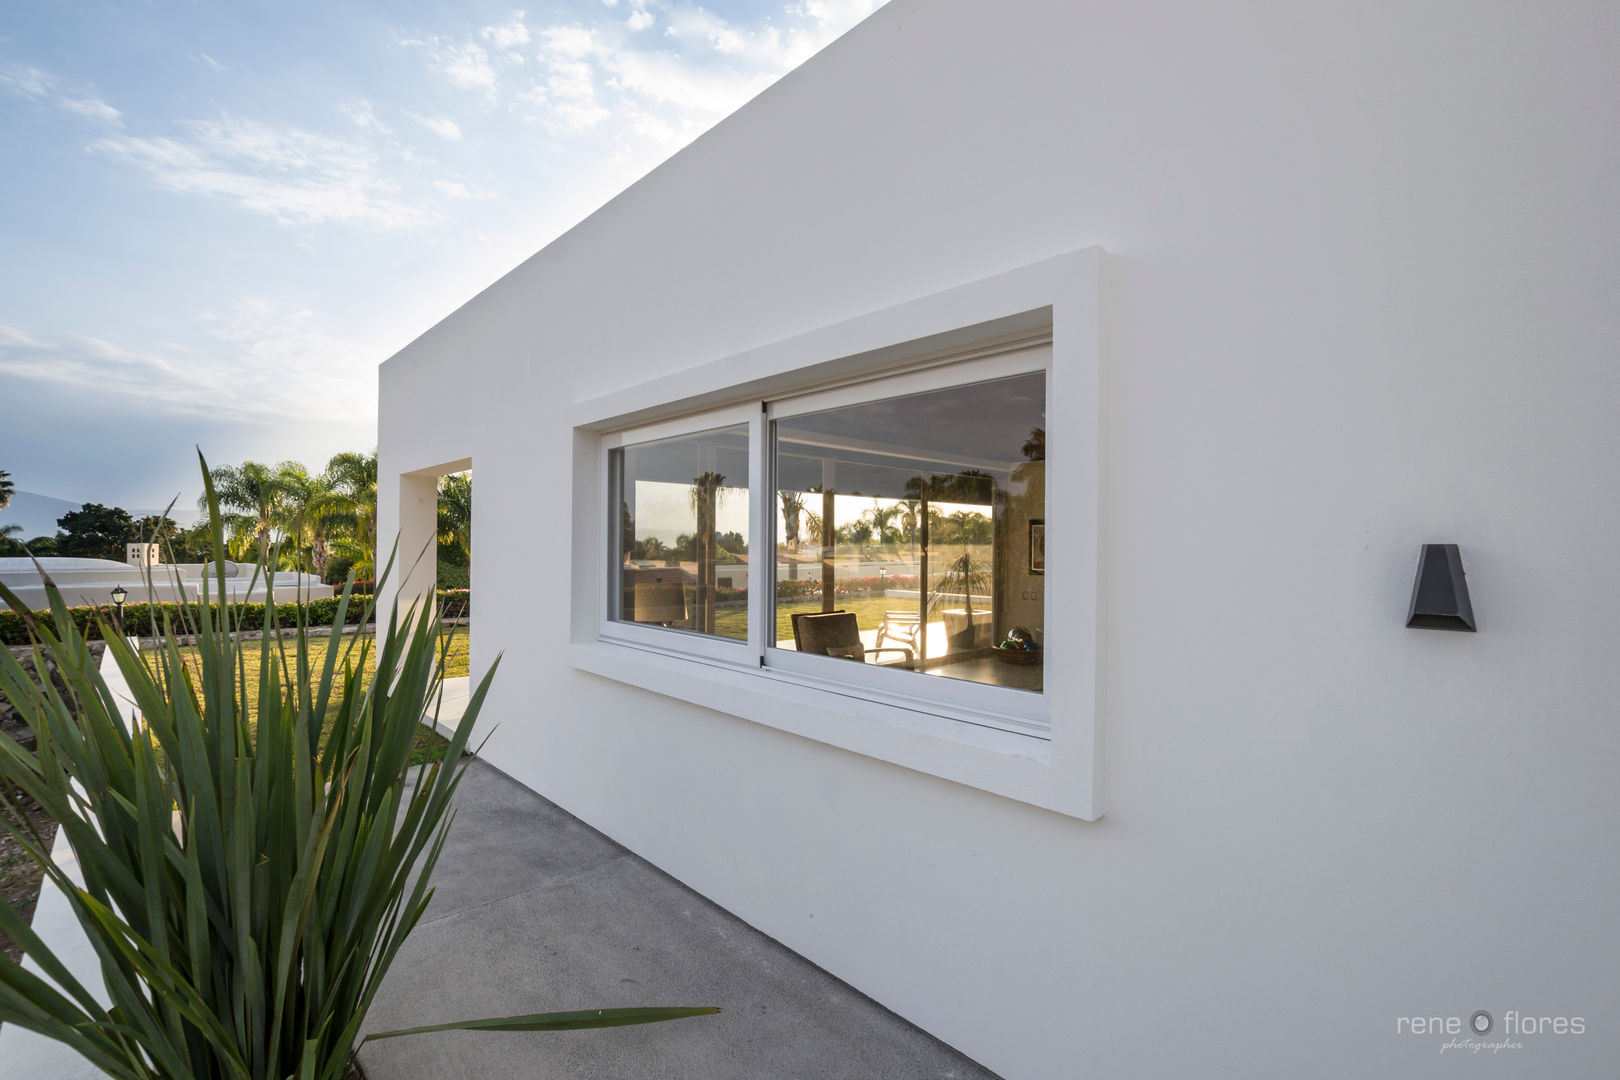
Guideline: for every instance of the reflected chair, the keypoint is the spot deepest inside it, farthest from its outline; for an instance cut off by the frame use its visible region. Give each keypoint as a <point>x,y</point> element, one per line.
<point>906,626</point>
<point>658,595</point>
<point>837,633</point>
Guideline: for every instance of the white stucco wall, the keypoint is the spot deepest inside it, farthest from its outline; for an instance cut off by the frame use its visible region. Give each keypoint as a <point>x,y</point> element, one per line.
<point>1368,257</point>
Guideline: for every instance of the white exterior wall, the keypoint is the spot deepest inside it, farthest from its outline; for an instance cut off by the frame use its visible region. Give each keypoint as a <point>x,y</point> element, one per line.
<point>1368,261</point>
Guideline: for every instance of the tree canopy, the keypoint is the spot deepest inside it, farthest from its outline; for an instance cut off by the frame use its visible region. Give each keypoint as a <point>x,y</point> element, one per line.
<point>95,531</point>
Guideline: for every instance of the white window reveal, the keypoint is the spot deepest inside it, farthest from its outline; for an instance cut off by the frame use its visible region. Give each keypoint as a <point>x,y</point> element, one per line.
<point>853,546</point>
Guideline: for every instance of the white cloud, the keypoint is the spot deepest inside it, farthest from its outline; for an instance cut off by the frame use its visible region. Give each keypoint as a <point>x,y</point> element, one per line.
<point>91,109</point>
<point>467,64</point>
<point>840,14</point>
<point>24,80</point>
<point>568,92</point>
<point>567,43</point>
<point>600,74</point>
<point>453,189</point>
<point>510,36</point>
<point>443,127</point>
<point>363,116</point>
<point>292,175</point>
<point>27,81</point>
<point>669,79</point>
<point>278,352</point>
<point>209,61</point>
<point>267,360</point>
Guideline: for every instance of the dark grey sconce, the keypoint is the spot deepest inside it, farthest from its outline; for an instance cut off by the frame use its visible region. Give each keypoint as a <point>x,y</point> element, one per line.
<point>1440,594</point>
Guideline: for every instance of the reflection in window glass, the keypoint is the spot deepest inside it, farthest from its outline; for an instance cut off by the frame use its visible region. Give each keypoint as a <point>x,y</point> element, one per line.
<point>682,559</point>
<point>911,532</point>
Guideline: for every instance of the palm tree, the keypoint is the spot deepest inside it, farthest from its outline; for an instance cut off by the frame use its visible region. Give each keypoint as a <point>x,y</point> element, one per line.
<point>308,514</point>
<point>6,488</point>
<point>292,509</point>
<point>352,502</point>
<point>251,496</point>
<point>455,515</point>
<point>7,544</point>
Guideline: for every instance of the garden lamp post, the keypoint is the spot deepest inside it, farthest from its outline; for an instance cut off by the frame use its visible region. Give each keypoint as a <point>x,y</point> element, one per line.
<point>119,595</point>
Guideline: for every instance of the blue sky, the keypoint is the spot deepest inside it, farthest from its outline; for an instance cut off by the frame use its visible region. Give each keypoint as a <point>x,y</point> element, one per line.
<point>217,219</point>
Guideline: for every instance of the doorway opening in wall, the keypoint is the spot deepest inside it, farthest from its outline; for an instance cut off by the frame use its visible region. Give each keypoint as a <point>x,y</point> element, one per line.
<point>453,555</point>
<point>434,556</point>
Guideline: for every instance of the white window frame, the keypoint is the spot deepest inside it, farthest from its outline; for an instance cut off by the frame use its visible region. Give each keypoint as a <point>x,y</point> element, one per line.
<point>963,732</point>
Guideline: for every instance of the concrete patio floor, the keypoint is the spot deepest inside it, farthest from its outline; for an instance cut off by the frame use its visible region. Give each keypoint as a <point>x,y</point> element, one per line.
<point>536,911</point>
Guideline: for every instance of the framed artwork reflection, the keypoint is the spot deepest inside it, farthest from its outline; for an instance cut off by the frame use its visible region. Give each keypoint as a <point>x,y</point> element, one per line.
<point>1037,547</point>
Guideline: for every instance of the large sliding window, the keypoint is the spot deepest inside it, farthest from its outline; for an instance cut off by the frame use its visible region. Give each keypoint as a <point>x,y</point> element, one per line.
<point>911,529</point>
<point>885,536</point>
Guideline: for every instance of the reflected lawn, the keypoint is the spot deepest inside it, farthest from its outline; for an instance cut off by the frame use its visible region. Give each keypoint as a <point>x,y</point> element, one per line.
<point>733,622</point>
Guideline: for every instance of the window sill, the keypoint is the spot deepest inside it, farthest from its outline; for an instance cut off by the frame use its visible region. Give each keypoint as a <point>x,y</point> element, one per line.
<point>1005,763</point>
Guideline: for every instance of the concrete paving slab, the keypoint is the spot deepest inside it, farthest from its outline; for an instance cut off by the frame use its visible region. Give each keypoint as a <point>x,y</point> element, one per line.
<point>506,840</point>
<point>590,925</point>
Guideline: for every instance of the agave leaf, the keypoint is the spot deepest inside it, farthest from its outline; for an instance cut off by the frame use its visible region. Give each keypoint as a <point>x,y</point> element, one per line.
<point>557,1021</point>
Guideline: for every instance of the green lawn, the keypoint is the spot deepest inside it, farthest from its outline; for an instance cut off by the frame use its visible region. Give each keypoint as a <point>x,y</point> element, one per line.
<point>428,745</point>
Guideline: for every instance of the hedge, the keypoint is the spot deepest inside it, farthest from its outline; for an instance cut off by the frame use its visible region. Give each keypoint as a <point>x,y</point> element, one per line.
<point>145,620</point>
<point>799,588</point>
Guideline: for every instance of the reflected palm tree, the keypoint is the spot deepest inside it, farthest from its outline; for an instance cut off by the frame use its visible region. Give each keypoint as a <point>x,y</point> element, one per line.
<point>706,489</point>
<point>792,507</point>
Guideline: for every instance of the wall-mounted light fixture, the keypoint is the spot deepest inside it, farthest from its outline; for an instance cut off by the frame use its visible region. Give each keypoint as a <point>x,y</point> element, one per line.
<point>1440,593</point>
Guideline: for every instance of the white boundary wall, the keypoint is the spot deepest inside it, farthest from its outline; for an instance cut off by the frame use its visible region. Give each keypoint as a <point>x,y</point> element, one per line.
<point>26,1055</point>
<point>1367,260</point>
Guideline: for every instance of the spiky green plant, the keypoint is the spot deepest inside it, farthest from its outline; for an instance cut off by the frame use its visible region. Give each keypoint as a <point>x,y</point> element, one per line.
<point>244,889</point>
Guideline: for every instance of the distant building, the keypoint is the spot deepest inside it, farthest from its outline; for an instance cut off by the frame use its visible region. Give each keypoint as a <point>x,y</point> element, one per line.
<point>89,582</point>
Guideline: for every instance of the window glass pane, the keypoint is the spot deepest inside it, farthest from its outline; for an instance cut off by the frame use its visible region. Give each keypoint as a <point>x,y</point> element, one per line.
<point>920,521</point>
<point>682,558</point>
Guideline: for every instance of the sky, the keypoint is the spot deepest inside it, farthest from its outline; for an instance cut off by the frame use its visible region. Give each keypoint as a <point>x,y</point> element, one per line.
<point>217,219</point>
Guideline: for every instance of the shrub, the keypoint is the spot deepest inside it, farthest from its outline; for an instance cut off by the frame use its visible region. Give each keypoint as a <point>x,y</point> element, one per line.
<point>245,890</point>
<point>452,575</point>
<point>861,586</point>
